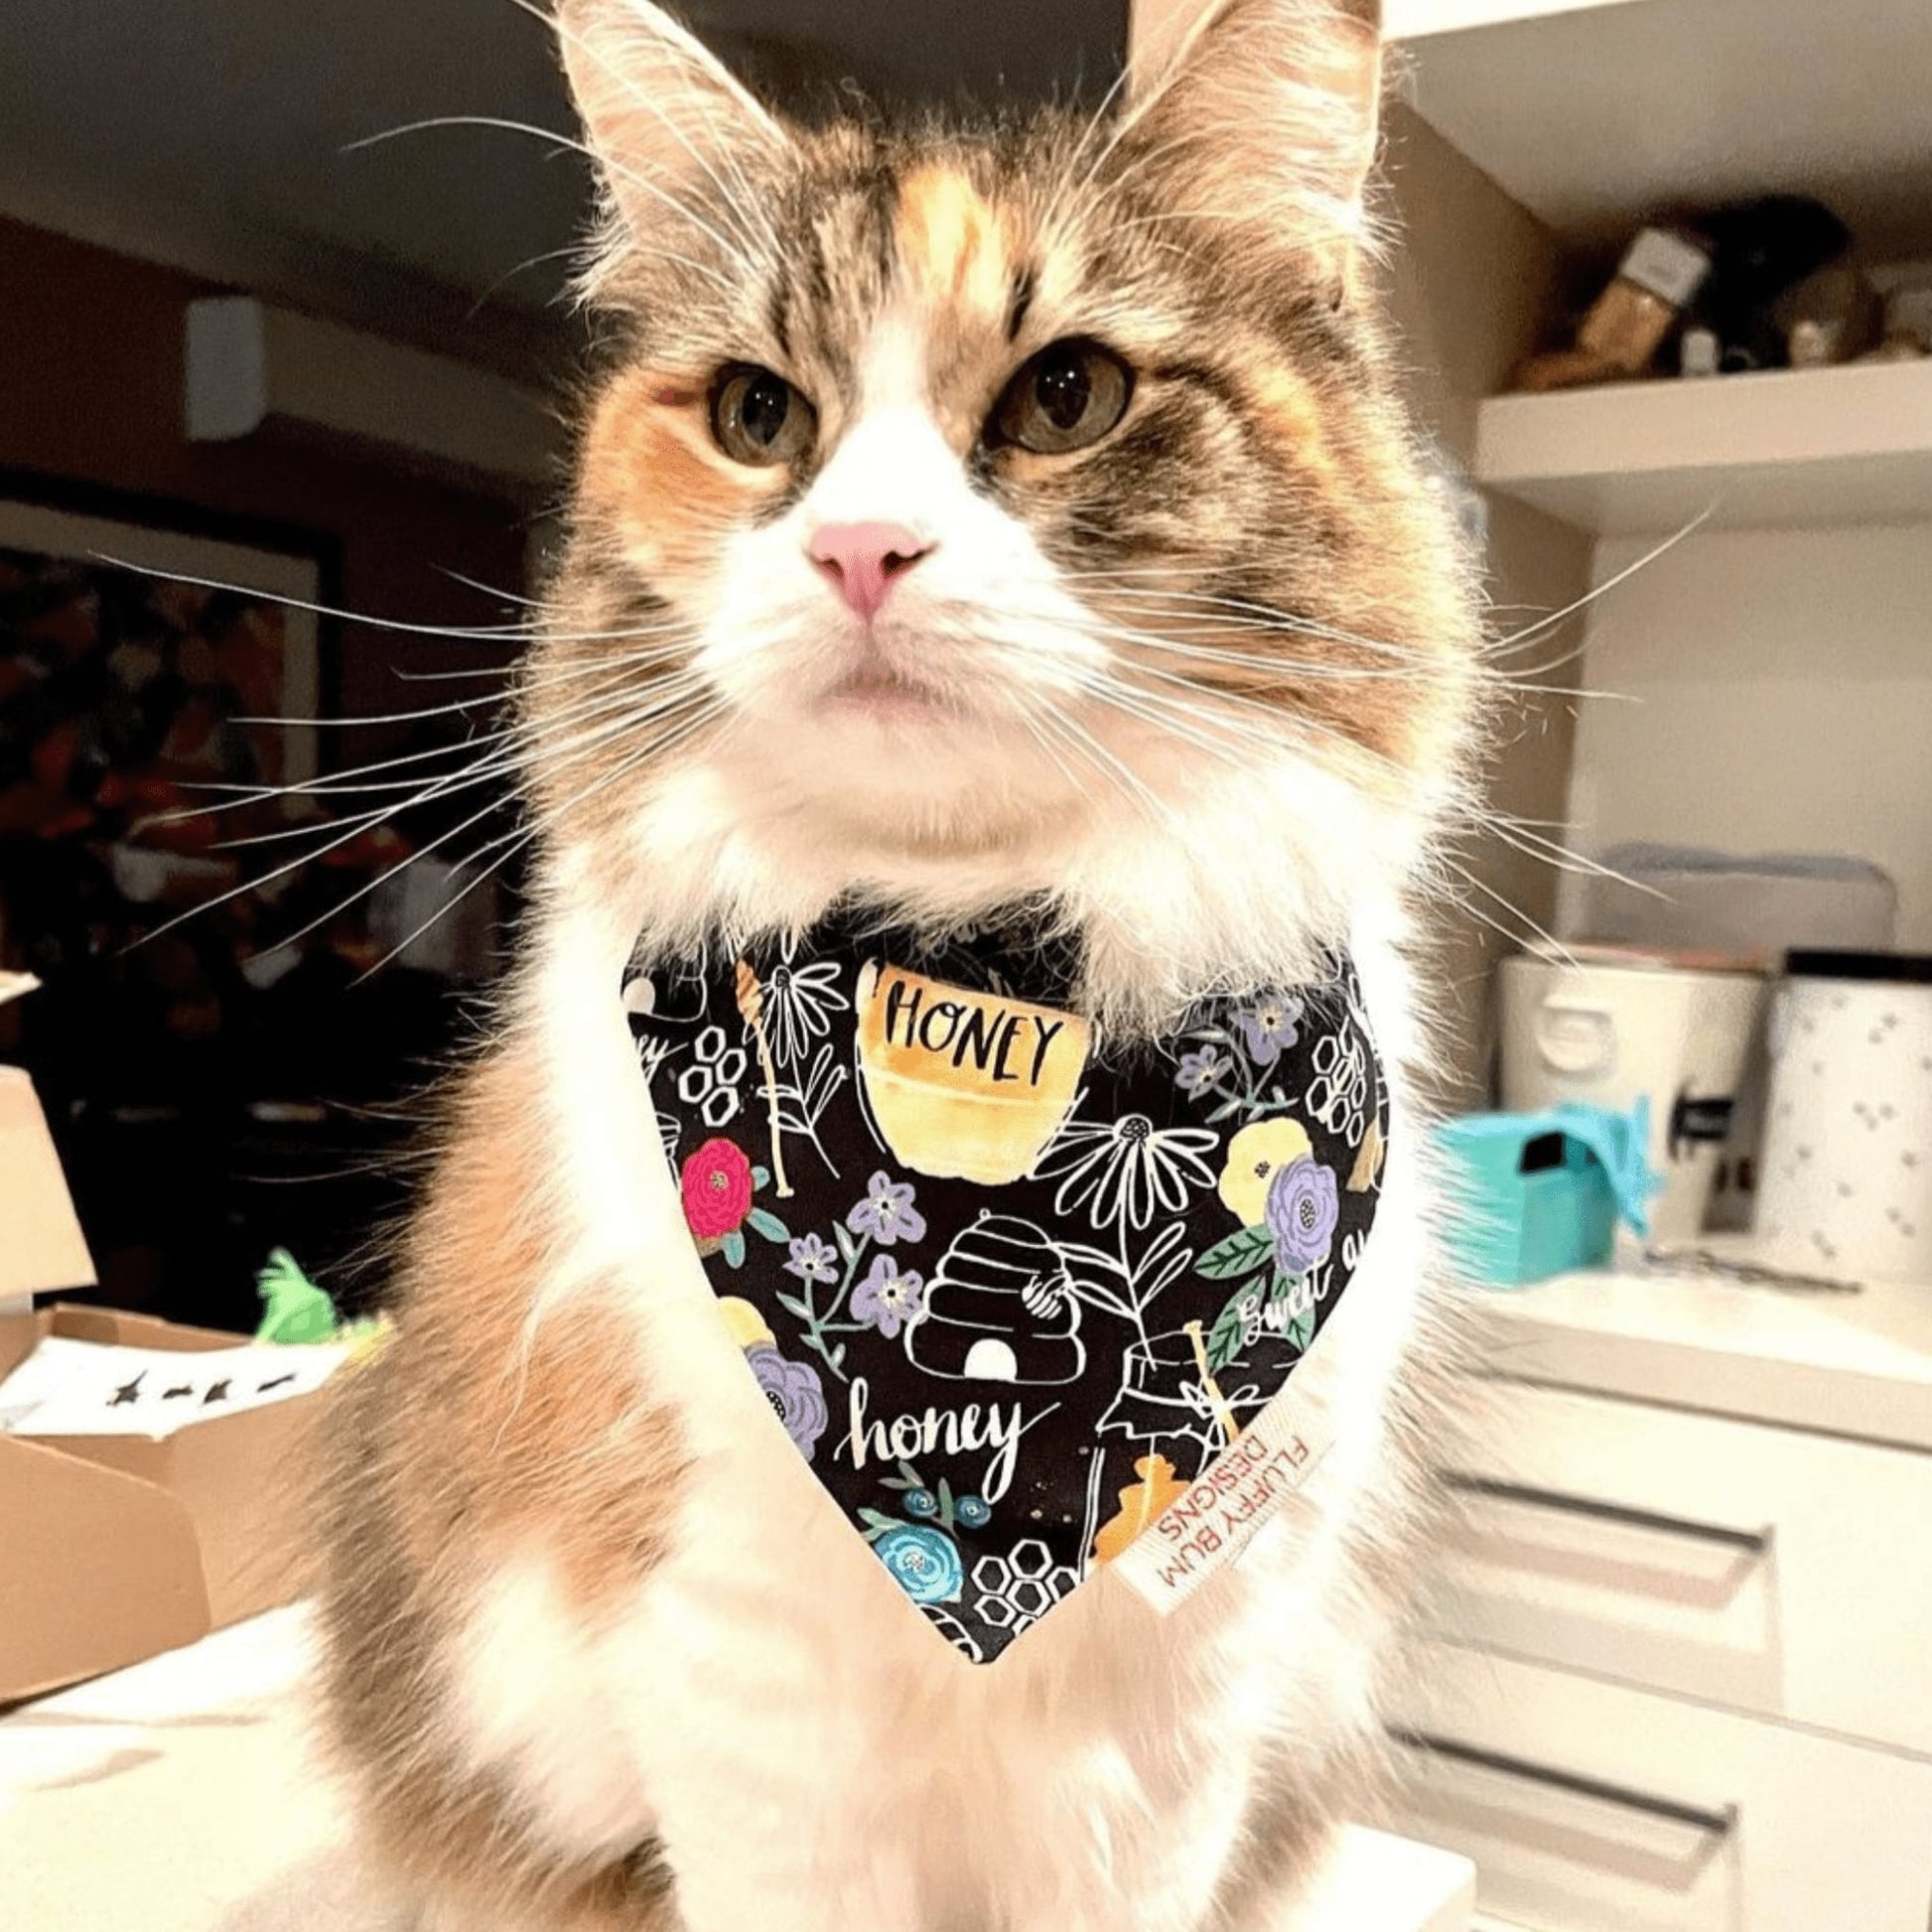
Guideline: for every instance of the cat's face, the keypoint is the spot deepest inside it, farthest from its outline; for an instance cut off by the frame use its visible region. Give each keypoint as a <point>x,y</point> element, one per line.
<point>959,488</point>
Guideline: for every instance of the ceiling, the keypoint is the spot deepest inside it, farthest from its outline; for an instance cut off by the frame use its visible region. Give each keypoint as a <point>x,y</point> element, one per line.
<point>219,135</point>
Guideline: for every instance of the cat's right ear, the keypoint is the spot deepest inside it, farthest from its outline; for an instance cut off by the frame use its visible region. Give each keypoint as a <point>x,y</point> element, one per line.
<point>674,131</point>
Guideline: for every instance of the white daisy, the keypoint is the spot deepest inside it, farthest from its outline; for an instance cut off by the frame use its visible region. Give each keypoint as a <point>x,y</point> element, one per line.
<point>1122,1170</point>
<point>798,1003</point>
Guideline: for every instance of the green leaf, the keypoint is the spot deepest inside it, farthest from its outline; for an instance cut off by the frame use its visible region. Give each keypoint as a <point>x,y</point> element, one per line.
<point>848,1247</point>
<point>768,1224</point>
<point>945,1505</point>
<point>1239,1254</point>
<point>732,1247</point>
<point>1301,1332</point>
<point>911,1476</point>
<point>793,1305</point>
<point>878,1520</point>
<point>837,1358</point>
<point>1226,1108</point>
<point>1281,1287</point>
<point>1230,1332</point>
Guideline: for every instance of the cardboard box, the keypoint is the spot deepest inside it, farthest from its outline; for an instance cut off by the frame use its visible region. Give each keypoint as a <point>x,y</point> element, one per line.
<point>40,1244</point>
<point>113,1548</point>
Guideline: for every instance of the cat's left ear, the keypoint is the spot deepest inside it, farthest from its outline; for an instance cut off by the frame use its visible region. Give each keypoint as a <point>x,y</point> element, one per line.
<point>1262,115</point>
<point>674,133</point>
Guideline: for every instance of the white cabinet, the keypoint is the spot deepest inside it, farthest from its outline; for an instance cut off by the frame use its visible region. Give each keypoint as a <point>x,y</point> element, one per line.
<point>1592,1807</point>
<point>1768,1569</point>
<point>1681,1670</point>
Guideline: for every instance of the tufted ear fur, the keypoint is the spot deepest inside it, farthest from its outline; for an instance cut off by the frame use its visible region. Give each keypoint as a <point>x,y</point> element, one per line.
<point>673,132</point>
<point>1263,114</point>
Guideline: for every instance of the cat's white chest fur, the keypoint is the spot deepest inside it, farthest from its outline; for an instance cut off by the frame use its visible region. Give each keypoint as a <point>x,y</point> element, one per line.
<point>806,1749</point>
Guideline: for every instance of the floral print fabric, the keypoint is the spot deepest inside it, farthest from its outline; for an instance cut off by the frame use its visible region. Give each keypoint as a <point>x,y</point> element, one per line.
<point>1008,1291</point>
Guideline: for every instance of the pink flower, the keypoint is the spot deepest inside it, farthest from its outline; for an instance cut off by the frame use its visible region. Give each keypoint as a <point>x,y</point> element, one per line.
<point>715,1186</point>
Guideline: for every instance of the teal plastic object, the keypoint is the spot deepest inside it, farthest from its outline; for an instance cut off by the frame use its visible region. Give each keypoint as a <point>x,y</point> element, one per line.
<point>1532,1195</point>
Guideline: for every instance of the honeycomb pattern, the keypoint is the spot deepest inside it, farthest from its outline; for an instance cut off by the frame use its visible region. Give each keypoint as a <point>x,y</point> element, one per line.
<point>1019,1587</point>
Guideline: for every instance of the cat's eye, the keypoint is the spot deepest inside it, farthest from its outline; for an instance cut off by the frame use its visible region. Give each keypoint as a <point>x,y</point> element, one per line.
<point>1068,395</point>
<point>759,418</point>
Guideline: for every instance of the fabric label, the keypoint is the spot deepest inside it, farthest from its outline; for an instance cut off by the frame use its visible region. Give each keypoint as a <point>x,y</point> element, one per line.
<point>1245,1487</point>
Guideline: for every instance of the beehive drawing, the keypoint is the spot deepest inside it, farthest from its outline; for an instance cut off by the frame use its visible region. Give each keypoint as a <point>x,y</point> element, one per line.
<point>1001,1308</point>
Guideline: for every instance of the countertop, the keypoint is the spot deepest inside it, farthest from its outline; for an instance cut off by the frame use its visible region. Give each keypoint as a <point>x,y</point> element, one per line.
<point>183,1796</point>
<point>1849,1363</point>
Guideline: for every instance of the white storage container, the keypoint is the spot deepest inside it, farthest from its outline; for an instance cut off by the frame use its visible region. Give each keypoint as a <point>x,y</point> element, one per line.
<point>1845,1187</point>
<point>1613,1033</point>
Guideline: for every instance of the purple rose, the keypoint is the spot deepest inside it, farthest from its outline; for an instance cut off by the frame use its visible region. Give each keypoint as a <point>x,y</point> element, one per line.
<point>888,1297</point>
<point>886,1214</point>
<point>1270,1027</point>
<point>1302,1208</point>
<point>796,1394</point>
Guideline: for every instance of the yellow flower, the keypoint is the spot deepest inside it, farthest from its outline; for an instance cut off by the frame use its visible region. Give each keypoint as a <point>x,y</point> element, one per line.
<point>747,1325</point>
<point>1255,1156</point>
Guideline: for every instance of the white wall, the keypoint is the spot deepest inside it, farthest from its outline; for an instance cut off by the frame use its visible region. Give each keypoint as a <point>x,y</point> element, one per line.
<point>1782,700</point>
<point>1468,285</point>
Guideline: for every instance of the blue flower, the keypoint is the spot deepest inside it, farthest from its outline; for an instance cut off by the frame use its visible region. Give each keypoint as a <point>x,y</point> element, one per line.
<point>974,1511</point>
<point>1270,1027</point>
<point>886,1214</point>
<point>813,1260</point>
<point>923,1562</point>
<point>922,1502</point>
<point>1201,1072</point>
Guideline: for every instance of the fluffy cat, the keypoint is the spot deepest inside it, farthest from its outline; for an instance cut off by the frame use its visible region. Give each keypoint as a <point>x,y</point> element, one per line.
<point>969,518</point>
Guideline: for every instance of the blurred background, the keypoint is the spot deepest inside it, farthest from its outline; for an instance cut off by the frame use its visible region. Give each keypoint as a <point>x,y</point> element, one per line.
<point>284,360</point>
<point>240,346</point>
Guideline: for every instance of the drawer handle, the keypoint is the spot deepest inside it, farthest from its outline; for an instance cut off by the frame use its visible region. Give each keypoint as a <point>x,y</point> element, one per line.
<point>1718,1825</point>
<point>1756,1542</point>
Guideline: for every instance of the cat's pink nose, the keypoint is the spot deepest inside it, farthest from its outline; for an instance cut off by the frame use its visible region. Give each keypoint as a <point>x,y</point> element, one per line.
<point>862,561</point>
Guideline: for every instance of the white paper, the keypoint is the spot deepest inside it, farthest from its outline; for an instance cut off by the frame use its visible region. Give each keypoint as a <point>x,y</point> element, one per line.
<point>88,1388</point>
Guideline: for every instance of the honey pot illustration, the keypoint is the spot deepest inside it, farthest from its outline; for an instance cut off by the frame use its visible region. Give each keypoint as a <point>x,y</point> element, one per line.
<point>964,1085</point>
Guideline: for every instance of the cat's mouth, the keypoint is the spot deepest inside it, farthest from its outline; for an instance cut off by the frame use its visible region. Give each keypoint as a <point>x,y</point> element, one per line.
<point>877,690</point>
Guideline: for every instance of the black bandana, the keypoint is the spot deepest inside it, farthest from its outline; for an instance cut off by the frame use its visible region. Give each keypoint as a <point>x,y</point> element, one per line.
<point>1009,1291</point>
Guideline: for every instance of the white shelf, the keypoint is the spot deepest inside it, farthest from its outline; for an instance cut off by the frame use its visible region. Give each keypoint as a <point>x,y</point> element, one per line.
<point>1595,113</point>
<point>1789,449</point>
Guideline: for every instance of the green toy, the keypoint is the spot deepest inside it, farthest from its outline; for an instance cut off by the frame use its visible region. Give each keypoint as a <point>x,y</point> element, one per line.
<point>294,1309</point>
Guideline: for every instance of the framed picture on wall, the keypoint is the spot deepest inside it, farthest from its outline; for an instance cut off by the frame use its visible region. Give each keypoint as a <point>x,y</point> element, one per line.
<point>161,678</point>
<point>174,646</point>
